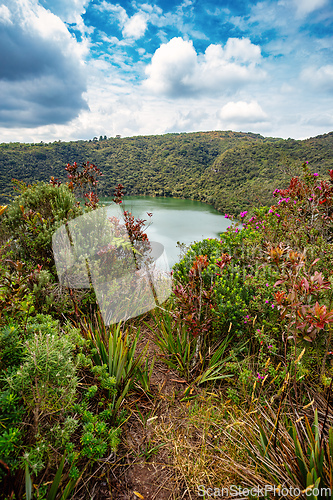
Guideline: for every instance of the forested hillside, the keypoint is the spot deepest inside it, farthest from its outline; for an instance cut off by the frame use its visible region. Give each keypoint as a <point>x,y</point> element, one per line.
<point>229,170</point>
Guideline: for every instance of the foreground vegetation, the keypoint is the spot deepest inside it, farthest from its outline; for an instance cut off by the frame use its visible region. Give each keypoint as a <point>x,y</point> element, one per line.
<point>233,389</point>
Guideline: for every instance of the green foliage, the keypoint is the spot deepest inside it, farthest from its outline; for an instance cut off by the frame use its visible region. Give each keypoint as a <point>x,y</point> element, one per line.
<point>117,365</point>
<point>62,412</point>
<point>11,346</point>
<point>251,311</point>
<point>184,352</point>
<point>265,291</point>
<point>233,171</point>
<point>34,215</point>
<point>291,455</point>
<point>46,379</point>
<point>176,343</point>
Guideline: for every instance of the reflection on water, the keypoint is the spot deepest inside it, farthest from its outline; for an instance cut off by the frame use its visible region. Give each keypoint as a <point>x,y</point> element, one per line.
<point>174,220</point>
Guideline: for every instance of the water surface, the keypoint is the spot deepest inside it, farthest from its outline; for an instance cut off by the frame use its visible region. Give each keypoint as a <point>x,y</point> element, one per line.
<point>174,220</point>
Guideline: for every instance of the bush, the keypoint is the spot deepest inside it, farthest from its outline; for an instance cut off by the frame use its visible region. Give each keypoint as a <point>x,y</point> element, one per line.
<point>46,379</point>
<point>34,215</point>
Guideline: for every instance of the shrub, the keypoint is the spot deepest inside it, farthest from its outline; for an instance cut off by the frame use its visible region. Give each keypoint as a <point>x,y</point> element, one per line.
<point>46,379</point>
<point>34,215</point>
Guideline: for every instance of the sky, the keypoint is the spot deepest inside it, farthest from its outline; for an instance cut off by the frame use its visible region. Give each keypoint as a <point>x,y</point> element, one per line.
<point>78,69</point>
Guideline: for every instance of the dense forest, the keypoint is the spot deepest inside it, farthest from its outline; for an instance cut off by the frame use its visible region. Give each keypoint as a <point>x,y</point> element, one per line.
<point>229,170</point>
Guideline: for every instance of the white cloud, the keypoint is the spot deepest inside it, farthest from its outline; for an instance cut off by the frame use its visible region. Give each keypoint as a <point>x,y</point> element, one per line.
<point>41,71</point>
<point>181,18</point>
<point>116,11</point>
<point>305,7</point>
<point>136,26</point>
<point>5,15</point>
<point>172,67</point>
<point>132,27</point>
<point>177,70</point>
<point>67,11</point>
<point>319,78</point>
<point>242,50</point>
<point>242,112</point>
<point>283,16</point>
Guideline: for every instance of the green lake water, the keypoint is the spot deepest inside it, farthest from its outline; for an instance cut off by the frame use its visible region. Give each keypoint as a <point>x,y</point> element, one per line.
<point>175,220</point>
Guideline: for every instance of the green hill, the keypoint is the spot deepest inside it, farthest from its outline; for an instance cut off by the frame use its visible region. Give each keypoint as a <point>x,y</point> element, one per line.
<point>230,170</point>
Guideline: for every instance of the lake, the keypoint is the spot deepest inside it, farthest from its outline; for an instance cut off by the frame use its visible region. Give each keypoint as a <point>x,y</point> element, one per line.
<point>174,220</point>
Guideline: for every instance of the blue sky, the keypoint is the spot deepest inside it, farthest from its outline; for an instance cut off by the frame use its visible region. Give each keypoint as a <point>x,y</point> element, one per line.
<point>77,69</point>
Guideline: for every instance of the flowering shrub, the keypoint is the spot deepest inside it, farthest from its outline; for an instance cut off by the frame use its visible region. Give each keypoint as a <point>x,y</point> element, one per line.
<point>263,284</point>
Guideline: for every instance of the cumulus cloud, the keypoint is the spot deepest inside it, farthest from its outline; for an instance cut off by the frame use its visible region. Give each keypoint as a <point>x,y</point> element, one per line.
<point>41,74</point>
<point>319,78</point>
<point>242,112</point>
<point>172,68</point>
<point>176,69</point>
